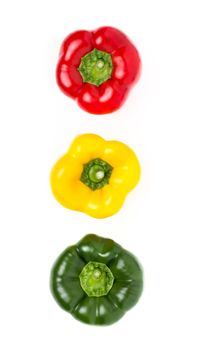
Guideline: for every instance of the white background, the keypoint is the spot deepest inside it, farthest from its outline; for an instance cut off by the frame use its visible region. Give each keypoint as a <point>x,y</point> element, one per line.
<point>158,220</point>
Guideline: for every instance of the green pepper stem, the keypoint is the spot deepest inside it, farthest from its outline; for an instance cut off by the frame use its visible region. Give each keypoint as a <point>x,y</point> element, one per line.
<point>97,273</point>
<point>96,279</point>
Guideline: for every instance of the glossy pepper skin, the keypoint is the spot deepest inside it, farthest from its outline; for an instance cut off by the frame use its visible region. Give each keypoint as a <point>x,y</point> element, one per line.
<point>114,59</point>
<point>124,292</point>
<point>95,175</point>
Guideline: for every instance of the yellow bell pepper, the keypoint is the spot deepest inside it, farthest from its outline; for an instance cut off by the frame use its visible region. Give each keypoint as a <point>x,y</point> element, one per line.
<point>95,175</point>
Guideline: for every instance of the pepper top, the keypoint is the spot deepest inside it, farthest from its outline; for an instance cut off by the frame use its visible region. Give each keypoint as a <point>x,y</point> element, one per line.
<point>96,280</point>
<point>96,67</point>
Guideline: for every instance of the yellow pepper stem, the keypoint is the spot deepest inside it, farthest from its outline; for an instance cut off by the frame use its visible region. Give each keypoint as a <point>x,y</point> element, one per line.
<point>96,174</point>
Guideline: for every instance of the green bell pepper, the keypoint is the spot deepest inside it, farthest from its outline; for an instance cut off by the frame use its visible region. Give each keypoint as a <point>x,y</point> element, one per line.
<point>96,280</point>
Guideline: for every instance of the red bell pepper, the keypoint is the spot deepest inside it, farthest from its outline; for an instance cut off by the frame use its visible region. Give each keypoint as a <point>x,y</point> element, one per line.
<point>98,68</point>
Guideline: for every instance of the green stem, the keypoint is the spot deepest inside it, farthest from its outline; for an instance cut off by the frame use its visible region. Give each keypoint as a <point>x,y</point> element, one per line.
<point>96,174</point>
<point>96,67</point>
<point>96,279</point>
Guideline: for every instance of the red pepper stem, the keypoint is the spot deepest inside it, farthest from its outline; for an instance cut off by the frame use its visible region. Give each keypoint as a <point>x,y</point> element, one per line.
<point>96,67</point>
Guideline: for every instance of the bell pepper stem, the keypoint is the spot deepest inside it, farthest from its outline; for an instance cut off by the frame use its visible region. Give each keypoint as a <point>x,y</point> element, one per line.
<point>96,67</point>
<point>96,174</point>
<point>96,279</point>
